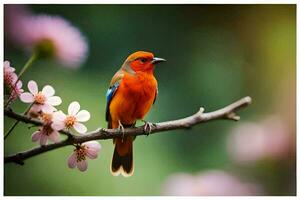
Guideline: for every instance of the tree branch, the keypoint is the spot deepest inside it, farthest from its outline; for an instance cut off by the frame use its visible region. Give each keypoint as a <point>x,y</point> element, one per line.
<point>228,112</point>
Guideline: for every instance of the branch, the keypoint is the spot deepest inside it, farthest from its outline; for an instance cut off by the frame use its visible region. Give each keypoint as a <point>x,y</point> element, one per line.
<point>228,112</point>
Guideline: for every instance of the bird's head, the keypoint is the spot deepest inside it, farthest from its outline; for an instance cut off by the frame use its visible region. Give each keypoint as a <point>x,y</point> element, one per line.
<point>141,61</point>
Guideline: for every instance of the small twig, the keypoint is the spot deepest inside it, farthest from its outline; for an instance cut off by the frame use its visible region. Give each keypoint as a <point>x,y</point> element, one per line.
<point>16,123</point>
<point>228,112</point>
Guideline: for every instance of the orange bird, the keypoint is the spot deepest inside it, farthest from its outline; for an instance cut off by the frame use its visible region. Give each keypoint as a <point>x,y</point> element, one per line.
<point>132,92</point>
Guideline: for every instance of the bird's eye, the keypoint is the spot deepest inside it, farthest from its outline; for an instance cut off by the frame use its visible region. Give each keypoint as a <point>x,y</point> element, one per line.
<point>143,60</point>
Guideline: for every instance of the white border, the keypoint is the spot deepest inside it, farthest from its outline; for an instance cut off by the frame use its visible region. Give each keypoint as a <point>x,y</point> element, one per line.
<point>146,2</point>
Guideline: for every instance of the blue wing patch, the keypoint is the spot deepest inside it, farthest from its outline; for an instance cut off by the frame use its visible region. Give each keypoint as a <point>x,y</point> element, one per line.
<point>109,95</point>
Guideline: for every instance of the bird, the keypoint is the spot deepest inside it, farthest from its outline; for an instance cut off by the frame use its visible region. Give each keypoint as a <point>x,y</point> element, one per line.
<point>132,92</point>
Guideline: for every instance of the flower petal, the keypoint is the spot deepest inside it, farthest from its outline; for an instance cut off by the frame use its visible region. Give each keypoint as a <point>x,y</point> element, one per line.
<point>36,136</point>
<point>79,127</point>
<point>27,97</point>
<point>73,108</point>
<point>58,125</point>
<point>48,91</point>
<point>54,101</point>
<point>43,139</point>
<point>82,165</point>
<point>19,84</point>
<point>59,115</point>
<point>37,107</point>
<point>93,148</point>
<point>83,116</point>
<point>46,108</point>
<point>54,136</point>
<point>33,87</point>
<point>72,160</point>
<point>92,154</point>
<point>92,145</point>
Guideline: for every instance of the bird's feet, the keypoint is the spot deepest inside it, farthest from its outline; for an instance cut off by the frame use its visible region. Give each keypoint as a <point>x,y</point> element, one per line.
<point>121,129</point>
<point>148,127</point>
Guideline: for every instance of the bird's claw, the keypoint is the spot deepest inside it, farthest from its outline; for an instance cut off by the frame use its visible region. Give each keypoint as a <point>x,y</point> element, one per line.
<point>148,127</point>
<point>121,129</point>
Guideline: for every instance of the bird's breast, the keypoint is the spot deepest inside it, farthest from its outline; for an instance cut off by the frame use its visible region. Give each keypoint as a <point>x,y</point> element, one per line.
<point>133,98</point>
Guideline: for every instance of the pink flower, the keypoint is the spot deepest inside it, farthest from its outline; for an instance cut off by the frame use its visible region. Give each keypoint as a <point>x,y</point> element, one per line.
<point>78,157</point>
<point>44,99</point>
<point>9,73</point>
<point>10,79</point>
<point>208,183</point>
<point>251,142</point>
<point>56,37</point>
<point>45,133</point>
<point>34,111</point>
<point>73,119</point>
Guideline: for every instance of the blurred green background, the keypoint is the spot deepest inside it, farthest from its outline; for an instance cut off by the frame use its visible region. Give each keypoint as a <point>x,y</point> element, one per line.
<point>216,54</point>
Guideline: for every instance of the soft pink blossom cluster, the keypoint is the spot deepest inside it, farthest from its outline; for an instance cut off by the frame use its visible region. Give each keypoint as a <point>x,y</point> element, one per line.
<point>43,107</point>
<point>11,82</point>
<point>48,36</point>
<point>208,183</point>
<point>251,142</point>
<point>45,35</point>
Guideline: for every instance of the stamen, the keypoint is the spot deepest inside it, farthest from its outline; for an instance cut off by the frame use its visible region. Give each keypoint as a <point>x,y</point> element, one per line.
<point>70,121</point>
<point>46,117</point>
<point>39,98</point>
<point>81,153</point>
<point>47,129</point>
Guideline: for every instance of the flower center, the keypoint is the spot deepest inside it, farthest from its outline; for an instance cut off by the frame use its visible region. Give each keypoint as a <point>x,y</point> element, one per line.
<point>39,98</point>
<point>47,130</point>
<point>46,117</point>
<point>70,121</point>
<point>45,48</point>
<point>80,153</point>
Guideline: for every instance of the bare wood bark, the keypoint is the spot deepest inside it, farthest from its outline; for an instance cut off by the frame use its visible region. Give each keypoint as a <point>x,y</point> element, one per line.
<point>228,112</point>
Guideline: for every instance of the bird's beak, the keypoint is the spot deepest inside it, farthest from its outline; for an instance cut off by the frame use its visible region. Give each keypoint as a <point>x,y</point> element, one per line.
<point>158,60</point>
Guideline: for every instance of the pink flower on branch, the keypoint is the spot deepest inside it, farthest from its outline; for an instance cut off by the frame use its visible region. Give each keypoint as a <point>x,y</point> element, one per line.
<point>73,119</point>
<point>42,100</point>
<point>45,133</point>
<point>10,79</point>
<point>81,153</point>
<point>9,73</point>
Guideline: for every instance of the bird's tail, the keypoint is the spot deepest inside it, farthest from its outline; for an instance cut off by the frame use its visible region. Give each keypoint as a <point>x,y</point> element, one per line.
<point>122,161</point>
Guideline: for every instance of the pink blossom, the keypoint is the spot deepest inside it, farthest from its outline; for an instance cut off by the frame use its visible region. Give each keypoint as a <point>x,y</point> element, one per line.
<point>251,142</point>
<point>208,183</point>
<point>54,36</point>
<point>73,119</point>
<point>10,79</point>
<point>9,74</point>
<point>34,111</point>
<point>85,150</point>
<point>45,133</point>
<point>44,100</point>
